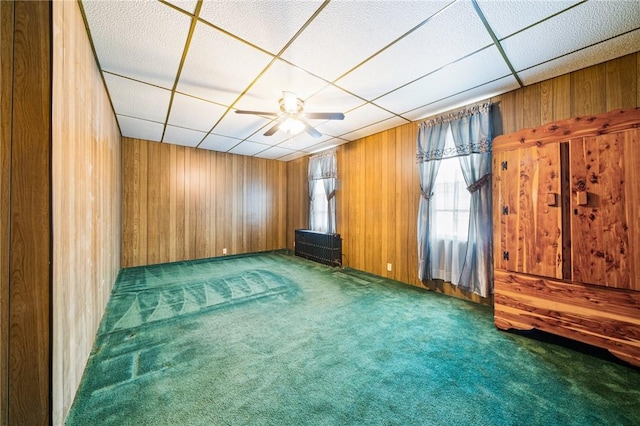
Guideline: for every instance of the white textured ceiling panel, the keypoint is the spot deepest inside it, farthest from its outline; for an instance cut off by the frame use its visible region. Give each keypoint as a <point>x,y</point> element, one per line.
<point>333,99</point>
<point>240,126</point>
<point>275,152</point>
<point>249,148</point>
<point>360,117</point>
<point>477,94</point>
<point>508,17</point>
<point>465,74</point>
<point>186,5</point>
<point>323,146</point>
<point>303,141</point>
<point>140,129</point>
<point>293,156</point>
<point>137,99</point>
<point>219,143</point>
<point>375,128</point>
<point>142,40</point>
<point>265,93</point>
<point>257,21</point>
<point>182,136</point>
<point>611,49</point>
<point>432,46</point>
<point>579,27</point>
<point>219,67</point>
<point>194,113</point>
<point>348,32</point>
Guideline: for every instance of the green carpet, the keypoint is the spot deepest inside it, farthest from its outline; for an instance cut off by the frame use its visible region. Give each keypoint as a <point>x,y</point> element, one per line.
<point>272,339</point>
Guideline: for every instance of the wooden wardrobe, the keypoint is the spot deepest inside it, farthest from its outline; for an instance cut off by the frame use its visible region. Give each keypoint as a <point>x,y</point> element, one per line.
<point>566,229</point>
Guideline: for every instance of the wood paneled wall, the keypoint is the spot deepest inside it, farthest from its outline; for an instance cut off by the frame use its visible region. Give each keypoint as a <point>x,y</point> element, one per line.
<point>25,249</point>
<point>297,198</point>
<point>183,203</point>
<point>86,202</point>
<point>378,189</point>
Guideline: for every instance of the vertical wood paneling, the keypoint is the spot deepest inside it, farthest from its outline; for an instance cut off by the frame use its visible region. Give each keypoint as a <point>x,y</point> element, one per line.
<point>621,83</point>
<point>6,90</point>
<point>86,200</point>
<point>298,198</point>
<point>28,342</point>
<point>588,94</point>
<point>220,201</point>
<point>531,108</point>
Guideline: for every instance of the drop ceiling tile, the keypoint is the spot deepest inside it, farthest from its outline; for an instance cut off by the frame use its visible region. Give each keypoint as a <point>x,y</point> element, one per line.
<point>275,153</point>
<point>475,70</point>
<point>219,143</point>
<point>303,141</point>
<point>219,67</point>
<point>452,34</point>
<point>140,129</point>
<point>470,97</point>
<point>332,99</point>
<point>324,146</point>
<point>265,94</point>
<point>507,17</point>
<point>375,128</point>
<point>266,24</point>
<point>582,26</point>
<point>248,148</point>
<point>193,113</point>
<point>605,51</point>
<point>240,126</point>
<point>360,117</point>
<point>142,40</point>
<point>137,99</point>
<point>347,32</point>
<point>293,156</point>
<point>180,136</point>
<point>186,5</point>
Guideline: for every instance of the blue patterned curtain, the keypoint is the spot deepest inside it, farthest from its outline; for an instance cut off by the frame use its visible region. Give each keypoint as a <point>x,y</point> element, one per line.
<point>472,135</point>
<point>432,136</point>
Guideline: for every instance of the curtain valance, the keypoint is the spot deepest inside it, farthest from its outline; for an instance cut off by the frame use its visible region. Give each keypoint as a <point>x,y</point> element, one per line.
<point>323,165</point>
<point>470,128</point>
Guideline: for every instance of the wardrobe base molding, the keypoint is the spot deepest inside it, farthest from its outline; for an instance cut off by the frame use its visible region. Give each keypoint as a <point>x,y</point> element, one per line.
<point>600,316</point>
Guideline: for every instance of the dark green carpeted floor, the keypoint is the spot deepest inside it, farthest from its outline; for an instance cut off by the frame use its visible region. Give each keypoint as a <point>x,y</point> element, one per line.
<point>271,339</point>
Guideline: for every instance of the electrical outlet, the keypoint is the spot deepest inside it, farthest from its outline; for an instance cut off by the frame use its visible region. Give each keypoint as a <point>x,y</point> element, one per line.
<point>389,267</point>
<point>224,250</point>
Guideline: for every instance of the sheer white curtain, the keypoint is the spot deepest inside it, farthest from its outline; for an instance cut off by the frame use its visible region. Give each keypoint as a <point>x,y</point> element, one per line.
<point>450,220</point>
<point>323,176</point>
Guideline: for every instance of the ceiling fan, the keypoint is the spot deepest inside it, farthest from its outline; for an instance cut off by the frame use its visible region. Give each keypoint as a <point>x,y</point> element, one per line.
<point>291,117</point>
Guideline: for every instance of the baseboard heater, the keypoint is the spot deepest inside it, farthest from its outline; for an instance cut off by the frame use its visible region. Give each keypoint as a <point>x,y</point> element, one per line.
<point>319,247</point>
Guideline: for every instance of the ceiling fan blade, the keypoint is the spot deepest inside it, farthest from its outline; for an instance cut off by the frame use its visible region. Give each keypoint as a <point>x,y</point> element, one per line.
<point>313,132</point>
<point>267,114</point>
<point>324,115</point>
<point>272,129</point>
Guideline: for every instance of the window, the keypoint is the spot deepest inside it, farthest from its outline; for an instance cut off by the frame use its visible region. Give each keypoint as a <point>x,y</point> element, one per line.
<point>449,218</point>
<point>319,207</point>
<point>323,175</point>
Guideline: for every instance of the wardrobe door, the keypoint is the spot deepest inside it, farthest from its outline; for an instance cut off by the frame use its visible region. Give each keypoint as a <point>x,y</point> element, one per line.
<point>527,187</point>
<point>605,217</point>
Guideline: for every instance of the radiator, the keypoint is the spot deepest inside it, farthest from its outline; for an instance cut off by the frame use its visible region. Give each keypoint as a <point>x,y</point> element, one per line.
<point>319,247</point>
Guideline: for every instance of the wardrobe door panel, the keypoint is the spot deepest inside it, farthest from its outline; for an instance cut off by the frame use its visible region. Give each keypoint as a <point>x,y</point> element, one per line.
<point>604,210</point>
<point>528,187</point>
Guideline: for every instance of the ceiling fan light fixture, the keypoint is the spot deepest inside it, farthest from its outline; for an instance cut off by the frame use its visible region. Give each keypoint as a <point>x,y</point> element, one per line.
<point>290,103</point>
<point>292,126</point>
